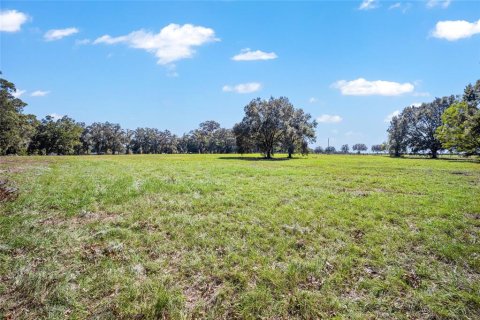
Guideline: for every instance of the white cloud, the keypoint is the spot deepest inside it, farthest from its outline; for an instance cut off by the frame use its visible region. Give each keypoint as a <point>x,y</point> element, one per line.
<point>18,93</point>
<point>12,20</point>
<point>312,100</point>
<point>391,115</point>
<point>243,87</point>
<point>172,43</point>
<point>416,104</point>
<point>106,39</point>
<point>56,116</point>
<point>39,93</point>
<point>438,3</point>
<point>57,34</point>
<point>248,55</point>
<point>81,42</point>
<point>404,7</point>
<point>397,5</point>
<point>327,118</point>
<point>368,4</point>
<point>362,87</point>
<point>456,29</point>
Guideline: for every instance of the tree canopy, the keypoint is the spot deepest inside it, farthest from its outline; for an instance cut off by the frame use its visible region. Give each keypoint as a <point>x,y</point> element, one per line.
<point>359,147</point>
<point>274,124</point>
<point>460,130</point>
<point>444,123</point>
<point>16,128</point>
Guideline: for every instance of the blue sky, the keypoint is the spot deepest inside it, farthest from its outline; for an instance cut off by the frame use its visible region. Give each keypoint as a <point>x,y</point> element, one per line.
<point>172,65</point>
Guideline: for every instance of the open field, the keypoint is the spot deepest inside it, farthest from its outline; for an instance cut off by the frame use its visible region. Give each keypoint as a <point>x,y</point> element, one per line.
<point>218,236</point>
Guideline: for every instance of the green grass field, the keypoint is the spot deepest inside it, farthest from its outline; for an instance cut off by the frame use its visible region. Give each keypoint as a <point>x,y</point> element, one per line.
<point>225,237</point>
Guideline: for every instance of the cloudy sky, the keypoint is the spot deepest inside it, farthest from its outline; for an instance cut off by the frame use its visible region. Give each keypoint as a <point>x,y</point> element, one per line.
<point>351,64</point>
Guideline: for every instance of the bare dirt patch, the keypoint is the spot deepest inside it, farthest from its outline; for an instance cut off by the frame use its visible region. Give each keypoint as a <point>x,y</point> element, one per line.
<point>205,291</point>
<point>7,193</point>
<point>474,216</point>
<point>83,218</point>
<point>21,164</point>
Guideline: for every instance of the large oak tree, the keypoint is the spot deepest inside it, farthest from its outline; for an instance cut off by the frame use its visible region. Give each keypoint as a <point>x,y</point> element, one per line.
<point>274,123</point>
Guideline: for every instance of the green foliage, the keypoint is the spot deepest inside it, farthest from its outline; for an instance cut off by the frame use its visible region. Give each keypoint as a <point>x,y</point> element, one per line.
<point>272,124</point>
<point>397,135</point>
<point>359,147</point>
<point>330,149</point>
<point>16,128</point>
<point>61,136</point>
<point>422,129</point>
<point>445,123</point>
<point>459,130</point>
<point>299,132</point>
<point>209,138</point>
<point>379,147</point>
<point>415,128</point>
<point>471,94</point>
<point>104,138</point>
<point>318,149</point>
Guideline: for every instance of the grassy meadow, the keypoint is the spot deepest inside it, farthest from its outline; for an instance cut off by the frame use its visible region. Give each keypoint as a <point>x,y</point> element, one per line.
<point>226,237</point>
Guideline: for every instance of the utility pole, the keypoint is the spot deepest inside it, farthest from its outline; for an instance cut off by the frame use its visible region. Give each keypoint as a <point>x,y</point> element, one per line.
<point>328,143</point>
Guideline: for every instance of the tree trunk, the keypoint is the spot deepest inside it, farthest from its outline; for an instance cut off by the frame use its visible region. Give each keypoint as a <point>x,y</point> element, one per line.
<point>434,154</point>
<point>397,152</point>
<point>290,150</point>
<point>269,155</point>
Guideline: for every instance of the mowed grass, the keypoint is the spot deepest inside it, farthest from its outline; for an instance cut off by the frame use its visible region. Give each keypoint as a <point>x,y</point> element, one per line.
<point>225,237</point>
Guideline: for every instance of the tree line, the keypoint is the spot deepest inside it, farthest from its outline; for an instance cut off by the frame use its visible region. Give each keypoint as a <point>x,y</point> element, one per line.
<point>449,123</point>
<point>356,148</point>
<point>269,126</point>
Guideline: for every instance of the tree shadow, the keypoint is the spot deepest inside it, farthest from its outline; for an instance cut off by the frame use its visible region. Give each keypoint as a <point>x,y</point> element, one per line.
<point>255,158</point>
<point>463,160</point>
<point>456,160</point>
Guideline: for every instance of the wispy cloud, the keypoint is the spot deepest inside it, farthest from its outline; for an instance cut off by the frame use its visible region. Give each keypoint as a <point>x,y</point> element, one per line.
<point>82,42</point>
<point>396,5</point>
<point>362,87</point>
<point>12,20</point>
<point>18,93</point>
<point>57,34</point>
<point>456,29</point>
<point>327,118</point>
<point>243,87</point>
<point>174,42</point>
<point>403,7</point>
<point>368,5</point>
<point>249,55</point>
<point>438,3</point>
<point>39,93</point>
<point>312,100</point>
